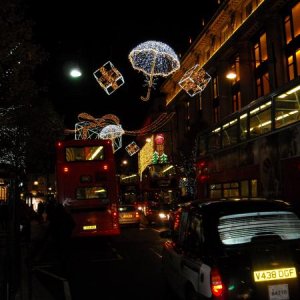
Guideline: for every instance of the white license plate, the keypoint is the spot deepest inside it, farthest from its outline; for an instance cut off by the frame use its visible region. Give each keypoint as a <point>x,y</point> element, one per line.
<point>279,292</point>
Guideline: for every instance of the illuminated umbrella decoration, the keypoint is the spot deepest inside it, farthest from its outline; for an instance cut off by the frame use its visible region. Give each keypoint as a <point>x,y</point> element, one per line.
<point>111,132</point>
<point>154,59</point>
<point>114,133</point>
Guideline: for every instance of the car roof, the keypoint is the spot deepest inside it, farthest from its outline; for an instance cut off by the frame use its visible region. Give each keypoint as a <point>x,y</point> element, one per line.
<point>240,204</point>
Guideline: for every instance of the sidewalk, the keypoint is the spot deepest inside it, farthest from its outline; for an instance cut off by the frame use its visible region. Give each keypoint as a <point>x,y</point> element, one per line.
<point>39,291</point>
<point>48,286</point>
<point>46,282</point>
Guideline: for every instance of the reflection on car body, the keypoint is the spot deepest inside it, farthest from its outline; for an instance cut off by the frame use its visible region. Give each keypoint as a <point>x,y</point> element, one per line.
<point>129,215</point>
<point>246,249</point>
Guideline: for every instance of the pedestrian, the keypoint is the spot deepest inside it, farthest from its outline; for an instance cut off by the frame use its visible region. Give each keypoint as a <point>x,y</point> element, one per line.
<point>3,215</point>
<point>61,225</point>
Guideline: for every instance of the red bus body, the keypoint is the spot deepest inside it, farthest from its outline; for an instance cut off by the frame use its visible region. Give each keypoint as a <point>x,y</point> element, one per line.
<point>87,186</point>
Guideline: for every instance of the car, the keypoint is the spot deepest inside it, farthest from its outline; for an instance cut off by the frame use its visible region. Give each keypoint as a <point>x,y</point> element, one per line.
<point>129,215</point>
<point>158,214</point>
<point>233,249</point>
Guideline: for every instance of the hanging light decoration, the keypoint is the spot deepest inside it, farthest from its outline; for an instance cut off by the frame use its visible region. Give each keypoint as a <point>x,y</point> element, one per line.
<point>111,132</point>
<point>194,80</point>
<point>90,127</point>
<point>154,59</point>
<point>109,78</point>
<point>132,148</point>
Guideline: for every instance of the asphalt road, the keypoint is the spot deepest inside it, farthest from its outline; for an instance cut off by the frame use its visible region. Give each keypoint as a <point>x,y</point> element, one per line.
<point>125,266</point>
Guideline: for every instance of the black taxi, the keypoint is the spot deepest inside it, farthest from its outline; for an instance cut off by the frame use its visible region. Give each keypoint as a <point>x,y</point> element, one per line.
<point>234,249</point>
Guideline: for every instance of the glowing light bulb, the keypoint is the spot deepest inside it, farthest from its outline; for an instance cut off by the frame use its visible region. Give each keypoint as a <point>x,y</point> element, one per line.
<point>75,73</point>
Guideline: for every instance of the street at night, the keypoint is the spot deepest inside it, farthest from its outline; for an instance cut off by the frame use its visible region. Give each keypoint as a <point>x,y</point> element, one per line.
<point>120,120</point>
<point>127,266</point>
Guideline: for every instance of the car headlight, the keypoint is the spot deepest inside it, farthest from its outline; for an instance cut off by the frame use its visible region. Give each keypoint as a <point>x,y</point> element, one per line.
<point>163,216</point>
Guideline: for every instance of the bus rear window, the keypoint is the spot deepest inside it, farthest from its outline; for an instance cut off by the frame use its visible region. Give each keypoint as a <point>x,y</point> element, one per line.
<point>94,192</point>
<point>85,153</point>
<point>243,228</point>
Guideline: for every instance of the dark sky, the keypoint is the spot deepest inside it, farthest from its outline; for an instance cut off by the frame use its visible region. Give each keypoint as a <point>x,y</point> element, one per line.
<point>90,33</point>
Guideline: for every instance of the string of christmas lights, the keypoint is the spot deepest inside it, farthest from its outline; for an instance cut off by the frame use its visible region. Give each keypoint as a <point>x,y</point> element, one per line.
<point>88,122</point>
<point>163,119</point>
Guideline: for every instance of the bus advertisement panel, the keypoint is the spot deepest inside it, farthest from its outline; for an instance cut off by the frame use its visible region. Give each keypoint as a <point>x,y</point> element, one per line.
<point>87,185</point>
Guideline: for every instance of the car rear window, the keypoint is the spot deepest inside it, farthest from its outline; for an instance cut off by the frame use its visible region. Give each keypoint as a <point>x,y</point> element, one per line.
<point>161,207</point>
<point>126,208</point>
<point>235,229</point>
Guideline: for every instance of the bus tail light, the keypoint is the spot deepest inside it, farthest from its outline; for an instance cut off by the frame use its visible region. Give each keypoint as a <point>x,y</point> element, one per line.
<point>105,167</point>
<point>217,286</point>
<point>66,169</point>
<point>115,218</point>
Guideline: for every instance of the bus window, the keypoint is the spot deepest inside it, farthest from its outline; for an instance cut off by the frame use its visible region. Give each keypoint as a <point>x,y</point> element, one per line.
<point>84,153</point>
<point>94,192</point>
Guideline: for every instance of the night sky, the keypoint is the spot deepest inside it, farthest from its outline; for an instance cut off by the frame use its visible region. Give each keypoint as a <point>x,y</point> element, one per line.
<point>89,34</point>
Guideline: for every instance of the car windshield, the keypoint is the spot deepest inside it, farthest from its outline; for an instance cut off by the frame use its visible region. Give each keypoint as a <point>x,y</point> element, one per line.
<point>241,228</point>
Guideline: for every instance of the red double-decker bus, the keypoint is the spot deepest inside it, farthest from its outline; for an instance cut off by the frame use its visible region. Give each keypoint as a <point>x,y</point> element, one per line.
<point>87,185</point>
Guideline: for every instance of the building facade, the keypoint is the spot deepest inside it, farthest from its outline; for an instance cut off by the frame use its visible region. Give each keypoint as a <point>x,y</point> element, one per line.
<point>243,133</point>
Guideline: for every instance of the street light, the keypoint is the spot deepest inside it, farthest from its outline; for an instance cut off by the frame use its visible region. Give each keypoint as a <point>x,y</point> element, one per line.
<point>75,73</point>
<point>231,75</point>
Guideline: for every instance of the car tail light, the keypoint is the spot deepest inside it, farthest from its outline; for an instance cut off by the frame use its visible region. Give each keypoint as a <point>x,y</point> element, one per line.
<point>217,286</point>
<point>137,215</point>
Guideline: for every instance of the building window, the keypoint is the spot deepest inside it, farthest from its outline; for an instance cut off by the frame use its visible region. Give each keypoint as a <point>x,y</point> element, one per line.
<point>231,189</point>
<point>229,133</point>
<point>243,127</point>
<point>288,29</point>
<point>235,68</point>
<point>292,24</point>
<point>235,84</point>
<point>291,65</point>
<point>215,191</point>
<point>262,85</point>
<point>3,193</point>
<point>214,140</point>
<point>260,119</point>
<point>236,101</point>
<point>260,50</point>
<point>292,31</point>
<point>287,107</point>
<point>245,188</point>
<point>216,102</point>
<point>253,185</point>
<point>215,88</point>
<point>261,69</point>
